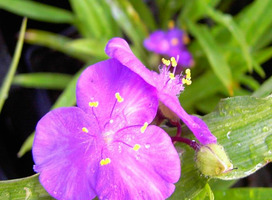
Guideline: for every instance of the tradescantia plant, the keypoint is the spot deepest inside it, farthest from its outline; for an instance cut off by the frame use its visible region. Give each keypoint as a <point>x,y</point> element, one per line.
<point>112,144</point>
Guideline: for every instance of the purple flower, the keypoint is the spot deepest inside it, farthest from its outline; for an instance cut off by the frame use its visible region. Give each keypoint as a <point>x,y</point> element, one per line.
<point>171,43</point>
<point>105,147</point>
<point>168,88</point>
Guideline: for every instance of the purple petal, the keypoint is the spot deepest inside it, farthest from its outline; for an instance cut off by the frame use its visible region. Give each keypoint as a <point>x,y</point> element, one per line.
<point>195,124</point>
<point>157,42</point>
<point>65,156</point>
<point>185,58</point>
<point>146,173</point>
<point>100,83</point>
<point>119,49</point>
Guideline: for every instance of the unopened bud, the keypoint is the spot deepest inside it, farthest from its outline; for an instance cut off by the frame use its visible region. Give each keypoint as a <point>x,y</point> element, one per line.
<point>213,161</point>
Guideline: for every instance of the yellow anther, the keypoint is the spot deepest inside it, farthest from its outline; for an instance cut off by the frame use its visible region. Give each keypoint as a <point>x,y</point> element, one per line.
<point>118,97</point>
<point>174,41</point>
<point>93,104</point>
<point>173,62</point>
<point>188,74</point>
<point>136,147</point>
<point>189,82</point>
<point>186,81</point>
<point>105,161</point>
<point>166,62</point>
<point>171,76</point>
<point>171,24</point>
<point>143,128</point>
<point>84,129</point>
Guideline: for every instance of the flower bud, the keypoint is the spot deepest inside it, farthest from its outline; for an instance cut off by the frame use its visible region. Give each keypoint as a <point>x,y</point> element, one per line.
<point>212,160</point>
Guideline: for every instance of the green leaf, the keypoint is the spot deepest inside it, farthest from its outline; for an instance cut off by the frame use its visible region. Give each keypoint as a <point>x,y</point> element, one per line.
<point>4,90</point>
<point>145,14</point>
<point>263,55</point>
<point>23,189</point>
<point>168,11</point>
<point>218,184</point>
<point>206,193</point>
<point>255,20</point>
<point>249,82</point>
<point>265,89</point>
<point>129,20</point>
<point>244,193</point>
<point>238,35</point>
<point>89,47</point>
<point>193,10</point>
<point>213,53</point>
<point>243,125</point>
<point>43,80</point>
<point>82,49</point>
<point>37,11</point>
<point>205,85</point>
<point>90,18</point>
<point>265,40</point>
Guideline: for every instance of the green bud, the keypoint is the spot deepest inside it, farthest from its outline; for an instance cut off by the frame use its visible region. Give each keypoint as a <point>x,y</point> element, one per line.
<point>212,160</point>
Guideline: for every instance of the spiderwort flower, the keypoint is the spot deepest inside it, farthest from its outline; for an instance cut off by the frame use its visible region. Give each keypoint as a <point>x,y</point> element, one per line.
<point>171,43</point>
<point>105,147</point>
<point>168,87</point>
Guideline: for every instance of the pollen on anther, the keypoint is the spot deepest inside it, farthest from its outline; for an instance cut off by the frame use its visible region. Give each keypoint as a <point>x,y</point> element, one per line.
<point>173,62</point>
<point>143,128</point>
<point>171,76</point>
<point>105,161</point>
<point>188,74</point>
<point>166,62</point>
<point>136,147</point>
<point>84,129</point>
<point>118,97</point>
<point>93,104</point>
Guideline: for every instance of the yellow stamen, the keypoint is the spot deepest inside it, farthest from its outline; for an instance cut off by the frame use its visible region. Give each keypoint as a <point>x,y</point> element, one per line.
<point>166,62</point>
<point>174,62</point>
<point>84,129</point>
<point>188,74</point>
<point>171,76</point>
<point>136,147</point>
<point>171,24</point>
<point>143,128</point>
<point>118,97</point>
<point>93,104</point>
<point>105,161</point>
<point>186,81</point>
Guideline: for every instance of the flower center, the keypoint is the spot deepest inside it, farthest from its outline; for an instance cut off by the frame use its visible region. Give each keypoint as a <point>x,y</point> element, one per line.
<point>170,82</point>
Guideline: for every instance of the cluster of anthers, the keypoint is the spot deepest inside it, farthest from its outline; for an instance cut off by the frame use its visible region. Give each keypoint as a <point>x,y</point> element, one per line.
<point>173,63</point>
<point>174,83</point>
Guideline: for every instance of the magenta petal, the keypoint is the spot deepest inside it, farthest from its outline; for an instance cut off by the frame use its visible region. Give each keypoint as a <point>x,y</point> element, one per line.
<point>65,156</point>
<point>195,124</point>
<point>148,172</point>
<point>100,83</point>
<point>119,49</point>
